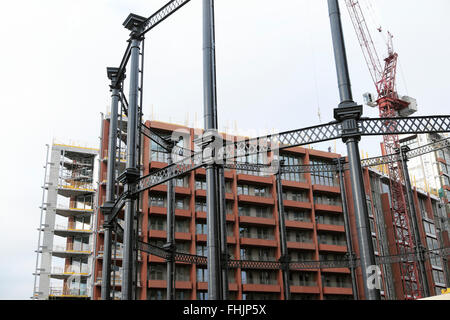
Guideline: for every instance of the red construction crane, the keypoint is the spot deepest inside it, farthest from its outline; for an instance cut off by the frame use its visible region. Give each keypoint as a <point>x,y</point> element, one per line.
<point>390,106</point>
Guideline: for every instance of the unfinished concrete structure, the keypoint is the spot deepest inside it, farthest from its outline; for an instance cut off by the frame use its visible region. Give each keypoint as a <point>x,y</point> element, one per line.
<point>64,256</point>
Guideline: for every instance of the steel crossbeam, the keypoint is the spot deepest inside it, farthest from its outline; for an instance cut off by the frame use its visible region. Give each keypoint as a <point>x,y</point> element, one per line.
<point>276,265</point>
<point>300,137</point>
<point>394,126</point>
<point>162,14</point>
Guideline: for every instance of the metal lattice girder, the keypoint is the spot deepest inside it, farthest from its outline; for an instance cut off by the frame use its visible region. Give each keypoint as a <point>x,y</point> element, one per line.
<point>162,14</point>
<point>190,258</point>
<point>394,126</point>
<point>164,142</point>
<point>154,250</point>
<point>372,162</point>
<point>247,264</point>
<point>435,146</point>
<point>118,205</point>
<point>321,264</point>
<point>296,138</point>
<point>171,171</point>
<point>280,141</point>
<point>309,168</point>
<point>277,265</point>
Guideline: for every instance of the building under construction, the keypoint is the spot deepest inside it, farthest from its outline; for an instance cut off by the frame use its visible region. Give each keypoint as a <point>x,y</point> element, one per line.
<point>315,229</point>
<point>64,251</point>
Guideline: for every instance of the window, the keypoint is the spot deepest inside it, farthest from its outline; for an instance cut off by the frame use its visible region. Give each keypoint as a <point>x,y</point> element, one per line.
<point>157,201</point>
<point>294,215</point>
<point>298,196</point>
<point>200,185</point>
<point>158,272</point>
<point>158,153</point>
<point>326,199</point>
<point>291,160</point>
<point>183,273</point>
<point>255,211</point>
<point>182,226</point>
<point>200,206</point>
<point>323,178</point>
<point>202,275</point>
<point>202,295</point>
<point>157,223</point>
<point>299,236</point>
<point>202,250</point>
<point>201,228</point>
<point>256,191</point>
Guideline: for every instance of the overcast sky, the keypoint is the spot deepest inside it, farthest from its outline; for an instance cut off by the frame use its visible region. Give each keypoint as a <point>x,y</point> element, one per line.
<point>275,69</point>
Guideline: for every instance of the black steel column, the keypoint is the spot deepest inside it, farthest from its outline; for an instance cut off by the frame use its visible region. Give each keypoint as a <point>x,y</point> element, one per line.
<point>284,259</point>
<point>348,113</point>
<point>170,246</point>
<point>351,254</point>
<point>110,184</point>
<point>223,232</point>
<point>133,23</point>
<point>211,126</point>
<point>412,212</point>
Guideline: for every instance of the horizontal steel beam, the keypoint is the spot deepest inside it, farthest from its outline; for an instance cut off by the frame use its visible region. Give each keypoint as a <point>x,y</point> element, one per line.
<point>162,14</point>
<point>296,138</point>
<point>277,265</point>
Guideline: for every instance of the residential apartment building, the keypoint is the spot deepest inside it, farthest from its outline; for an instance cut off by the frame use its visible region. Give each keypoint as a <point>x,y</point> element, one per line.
<point>64,254</point>
<point>314,223</point>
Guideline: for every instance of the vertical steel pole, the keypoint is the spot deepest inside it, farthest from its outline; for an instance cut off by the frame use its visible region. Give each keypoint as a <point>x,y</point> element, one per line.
<point>223,233</point>
<point>340,163</point>
<point>413,218</point>
<point>40,224</point>
<point>134,23</point>
<point>283,238</point>
<point>348,113</point>
<point>211,125</point>
<point>110,184</point>
<point>170,235</point>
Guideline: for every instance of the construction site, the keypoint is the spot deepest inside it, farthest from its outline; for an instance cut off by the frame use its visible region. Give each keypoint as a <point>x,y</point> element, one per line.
<point>164,211</point>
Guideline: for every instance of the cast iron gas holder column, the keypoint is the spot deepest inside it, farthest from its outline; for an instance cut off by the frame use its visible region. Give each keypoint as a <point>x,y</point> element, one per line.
<point>348,113</point>
<point>412,215</point>
<point>110,184</point>
<point>212,174</point>
<point>351,254</point>
<point>284,258</point>
<point>131,173</point>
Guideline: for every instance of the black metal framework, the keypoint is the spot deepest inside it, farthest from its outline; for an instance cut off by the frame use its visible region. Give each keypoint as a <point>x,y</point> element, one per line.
<point>348,126</point>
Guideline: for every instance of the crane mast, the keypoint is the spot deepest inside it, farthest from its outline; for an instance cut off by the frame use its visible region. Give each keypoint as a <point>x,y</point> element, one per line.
<point>389,104</point>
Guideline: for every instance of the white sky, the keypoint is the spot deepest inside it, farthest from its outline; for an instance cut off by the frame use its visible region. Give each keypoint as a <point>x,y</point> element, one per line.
<point>274,69</point>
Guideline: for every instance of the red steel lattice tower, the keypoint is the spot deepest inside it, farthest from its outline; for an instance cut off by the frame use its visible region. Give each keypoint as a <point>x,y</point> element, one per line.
<point>389,104</point>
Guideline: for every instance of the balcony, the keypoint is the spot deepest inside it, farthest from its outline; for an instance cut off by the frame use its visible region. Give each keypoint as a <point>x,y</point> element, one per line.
<point>257,220</point>
<point>328,207</point>
<point>297,288</point>
<point>254,287</point>
<point>339,248</point>
<point>71,230</point>
<point>327,189</point>
<point>296,204</point>
<point>66,292</point>
<point>330,227</point>
<point>62,273</point>
<point>74,188</point>
<point>249,241</point>
<point>74,212</point>
<point>301,245</point>
<point>254,179</point>
<point>256,200</point>
<point>71,251</point>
